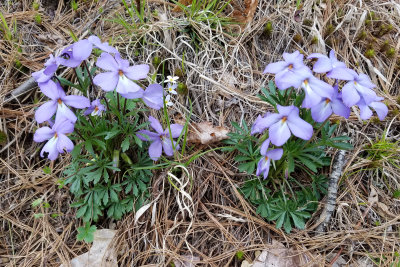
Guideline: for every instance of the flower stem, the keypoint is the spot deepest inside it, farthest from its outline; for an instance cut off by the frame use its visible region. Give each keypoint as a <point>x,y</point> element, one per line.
<point>90,75</point>
<point>79,81</point>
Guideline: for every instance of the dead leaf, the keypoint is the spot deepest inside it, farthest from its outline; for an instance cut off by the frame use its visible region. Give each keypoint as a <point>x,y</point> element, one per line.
<point>100,254</point>
<point>188,262</point>
<point>373,197</point>
<point>245,16</point>
<point>183,2</point>
<point>205,133</point>
<point>280,256</point>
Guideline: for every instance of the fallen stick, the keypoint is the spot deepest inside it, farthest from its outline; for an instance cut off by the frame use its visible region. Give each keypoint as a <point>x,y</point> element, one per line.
<point>337,168</point>
<point>23,88</point>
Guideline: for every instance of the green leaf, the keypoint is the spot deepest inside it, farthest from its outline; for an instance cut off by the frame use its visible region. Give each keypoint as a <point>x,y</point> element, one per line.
<point>47,170</point>
<point>86,233</point>
<point>280,220</point>
<point>298,222</point>
<point>36,202</point>
<point>114,196</point>
<point>125,144</point>
<point>309,164</point>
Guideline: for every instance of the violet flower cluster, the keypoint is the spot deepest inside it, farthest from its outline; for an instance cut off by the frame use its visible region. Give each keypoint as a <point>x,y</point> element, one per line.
<point>321,98</point>
<point>120,76</point>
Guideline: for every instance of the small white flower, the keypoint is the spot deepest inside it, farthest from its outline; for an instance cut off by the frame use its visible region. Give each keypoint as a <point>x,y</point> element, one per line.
<point>167,101</point>
<point>171,88</point>
<point>171,79</point>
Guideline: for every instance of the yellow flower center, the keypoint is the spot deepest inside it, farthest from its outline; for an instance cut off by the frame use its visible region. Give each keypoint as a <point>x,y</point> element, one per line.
<point>120,72</point>
<point>284,119</point>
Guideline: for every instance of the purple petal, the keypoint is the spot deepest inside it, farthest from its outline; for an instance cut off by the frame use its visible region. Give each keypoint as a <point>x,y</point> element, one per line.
<point>167,146</point>
<point>285,110</point>
<point>40,77</point>
<point>322,65</point>
<point>151,136</point>
<point>349,94</point>
<point>50,70</point>
<point>380,108</point>
<point>310,99</point>
<point>134,95</point>
<point>153,96</point>
<point>275,154</point>
<point>46,111</point>
<point>63,125</point>
<point>64,112</point>
<point>49,89</point>
<point>340,109</point>
<point>107,62</point>
<point>122,63</point>
<point>155,150</point>
<point>43,134</point>
<point>64,144</point>
<point>103,46</point>
<point>88,111</point>
<point>106,80</point>
<point>341,74</point>
<point>321,111</point>
<point>321,88</point>
<point>51,148</point>
<point>82,49</point>
<point>288,79</point>
<point>316,55</point>
<point>365,111</point>
<point>263,123</point>
<point>260,166</point>
<point>365,81</point>
<point>176,130</point>
<point>76,101</point>
<point>126,86</point>
<point>276,67</point>
<point>264,147</point>
<point>279,133</point>
<point>294,58</point>
<point>155,124</point>
<point>266,167</point>
<point>299,127</point>
<point>367,94</point>
<point>137,72</point>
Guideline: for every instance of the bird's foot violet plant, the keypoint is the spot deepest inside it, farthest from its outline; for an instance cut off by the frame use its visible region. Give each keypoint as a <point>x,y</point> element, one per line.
<point>104,130</point>
<point>293,142</point>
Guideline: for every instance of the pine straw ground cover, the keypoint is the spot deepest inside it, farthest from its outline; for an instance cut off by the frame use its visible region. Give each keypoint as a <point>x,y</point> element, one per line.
<point>223,72</point>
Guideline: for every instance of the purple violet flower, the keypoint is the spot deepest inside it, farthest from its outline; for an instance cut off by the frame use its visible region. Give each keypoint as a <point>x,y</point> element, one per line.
<point>153,96</point>
<point>333,67</point>
<point>160,139</point>
<point>120,75</point>
<point>73,55</point>
<point>58,103</point>
<point>265,162</point>
<point>94,40</point>
<point>380,108</point>
<point>95,109</point>
<point>43,76</point>
<point>315,90</point>
<point>285,123</point>
<point>323,110</point>
<point>58,141</point>
<point>360,86</point>
<point>258,125</point>
<point>290,72</point>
